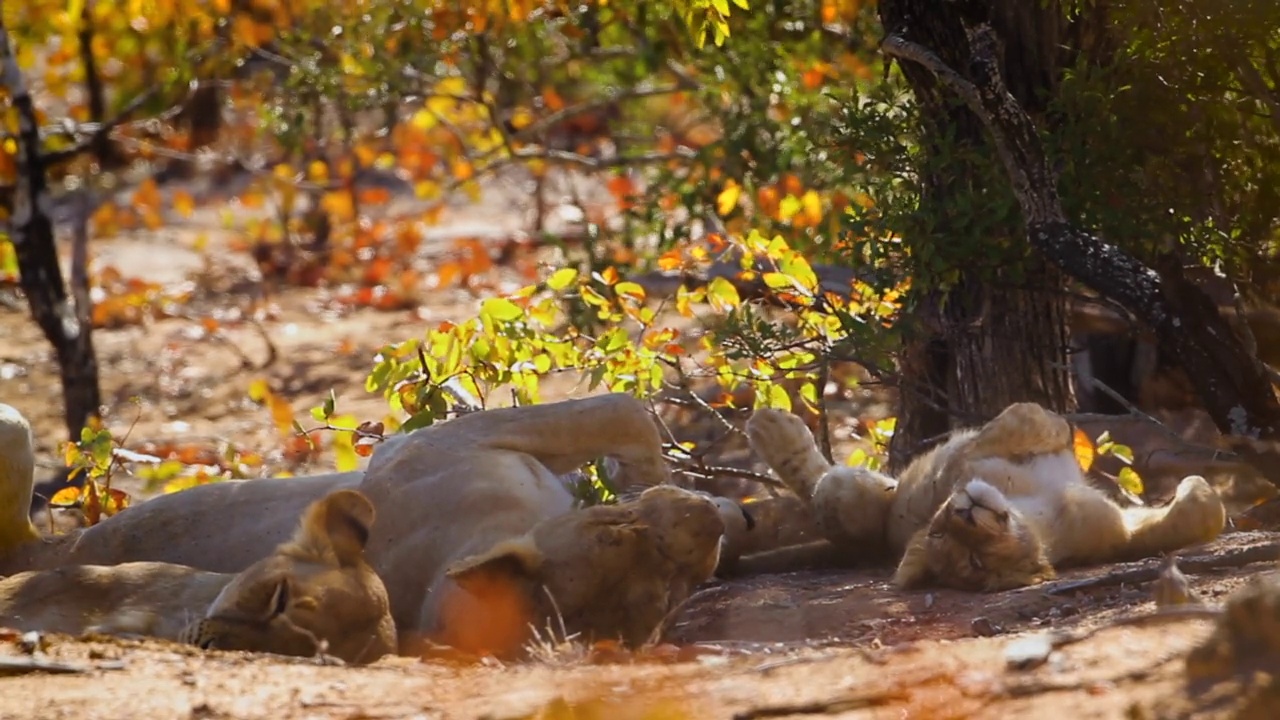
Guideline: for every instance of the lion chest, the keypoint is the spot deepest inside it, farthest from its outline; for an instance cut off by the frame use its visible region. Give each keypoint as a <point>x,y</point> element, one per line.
<point>1036,486</point>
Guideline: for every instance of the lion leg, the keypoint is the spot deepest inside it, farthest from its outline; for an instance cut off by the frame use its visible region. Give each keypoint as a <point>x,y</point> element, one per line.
<point>850,505</point>
<point>1022,429</point>
<point>1196,515</point>
<point>1088,528</point>
<point>785,444</point>
<point>566,435</point>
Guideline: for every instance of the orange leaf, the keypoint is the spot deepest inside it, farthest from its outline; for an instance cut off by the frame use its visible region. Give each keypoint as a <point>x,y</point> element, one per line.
<point>622,189</point>
<point>183,203</point>
<point>1083,447</point>
<point>462,169</point>
<point>66,497</point>
<point>552,99</point>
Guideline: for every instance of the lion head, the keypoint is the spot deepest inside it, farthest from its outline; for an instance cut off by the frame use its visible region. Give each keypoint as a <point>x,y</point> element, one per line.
<point>976,541</point>
<point>314,593</point>
<point>603,572</point>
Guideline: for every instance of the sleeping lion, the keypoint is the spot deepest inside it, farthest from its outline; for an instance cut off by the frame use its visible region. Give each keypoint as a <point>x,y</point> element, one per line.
<point>477,541</point>
<point>993,508</point>
<point>313,593</point>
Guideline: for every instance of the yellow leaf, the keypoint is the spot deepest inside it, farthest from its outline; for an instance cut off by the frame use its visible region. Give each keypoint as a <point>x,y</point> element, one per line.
<point>1083,447</point>
<point>727,200</point>
<point>723,295</point>
<point>630,290</point>
<point>501,309</point>
<point>789,207</point>
<point>1130,480</point>
<point>318,170</point>
<point>345,457</point>
<point>778,398</point>
<point>183,203</point>
<point>811,207</point>
<point>521,118</point>
<point>562,278</point>
<point>259,390</point>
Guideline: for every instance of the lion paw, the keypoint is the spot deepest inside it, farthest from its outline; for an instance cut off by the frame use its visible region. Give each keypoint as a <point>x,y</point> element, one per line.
<point>1198,508</point>
<point>1024,429</point>
<point>851,506</point>
<point>785,444</point>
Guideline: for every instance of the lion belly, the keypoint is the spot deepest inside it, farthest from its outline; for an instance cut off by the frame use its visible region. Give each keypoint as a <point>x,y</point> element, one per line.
<point>1037,487</point>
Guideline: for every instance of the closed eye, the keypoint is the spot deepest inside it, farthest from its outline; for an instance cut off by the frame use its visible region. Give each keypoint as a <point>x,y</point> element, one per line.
<point>279,599</point>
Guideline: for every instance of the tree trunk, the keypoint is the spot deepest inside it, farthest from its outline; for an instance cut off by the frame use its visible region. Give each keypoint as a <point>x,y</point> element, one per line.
<point>1230,381</point>
<point>66,326</point>
<point>1002,335</point>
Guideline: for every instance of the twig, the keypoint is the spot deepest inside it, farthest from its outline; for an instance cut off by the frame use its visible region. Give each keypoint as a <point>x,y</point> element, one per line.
<point>1159,617</point>
<point>824,422</point>
<point>1037,687</point>
<point>656,636</point>
<point>22,665</point>
<point>98,131</point>
<point>1150,570</point>
<point>846,703</point>
<point>694,399</point>
<point>709,471</point>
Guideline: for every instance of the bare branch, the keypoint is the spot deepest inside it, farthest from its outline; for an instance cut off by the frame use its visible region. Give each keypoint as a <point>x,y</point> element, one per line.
<point>98,131</point>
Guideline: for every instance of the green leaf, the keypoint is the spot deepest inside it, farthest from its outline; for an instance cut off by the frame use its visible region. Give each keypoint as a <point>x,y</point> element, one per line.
<point>794,265</point>
<point>562,278</point>
<point>501,310</point>
<point>426,418</point>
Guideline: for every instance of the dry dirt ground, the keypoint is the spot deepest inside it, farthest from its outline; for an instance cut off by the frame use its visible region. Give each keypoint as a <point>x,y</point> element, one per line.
<point>834,643</point>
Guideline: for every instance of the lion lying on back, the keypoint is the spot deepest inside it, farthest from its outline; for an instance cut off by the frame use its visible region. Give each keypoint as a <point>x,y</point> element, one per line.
<point>477,538</point>
<point>993,508</point>
<point>315,592</point>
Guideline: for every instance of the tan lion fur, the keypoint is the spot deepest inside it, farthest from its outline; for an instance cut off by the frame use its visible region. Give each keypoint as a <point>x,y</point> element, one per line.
<point>316,588</point>
<point>995,507</point>
<point>482,491</point>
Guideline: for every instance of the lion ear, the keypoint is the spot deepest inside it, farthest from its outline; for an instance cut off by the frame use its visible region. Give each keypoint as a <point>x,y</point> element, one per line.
<point>340,521</point>
<point>518,557</point>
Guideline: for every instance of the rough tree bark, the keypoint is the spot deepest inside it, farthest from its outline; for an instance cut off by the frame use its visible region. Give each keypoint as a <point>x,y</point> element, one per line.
<point>998,336</point>
<point>64,324</point>
<point>1230,381</point>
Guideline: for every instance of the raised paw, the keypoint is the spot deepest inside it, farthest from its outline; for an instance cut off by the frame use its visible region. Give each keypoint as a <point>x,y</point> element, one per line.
<point>785,444</point>
<point>1023,429</point>
<point>1198,508</point>
<point>979,508</point>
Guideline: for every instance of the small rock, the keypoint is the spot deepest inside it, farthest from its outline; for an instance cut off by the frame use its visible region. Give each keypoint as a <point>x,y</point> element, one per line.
<point>1028,652</point>
<point>32,642</point>
<point>983,627</point>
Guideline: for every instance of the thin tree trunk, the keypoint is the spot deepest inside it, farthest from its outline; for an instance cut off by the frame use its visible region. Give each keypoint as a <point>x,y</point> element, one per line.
<point>107,153</point>
<point>66,326</point>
